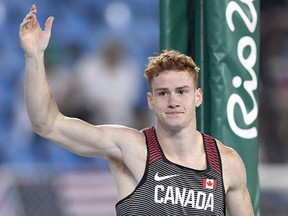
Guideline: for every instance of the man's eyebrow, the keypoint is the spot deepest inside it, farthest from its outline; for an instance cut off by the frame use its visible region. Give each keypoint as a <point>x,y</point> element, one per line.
<point>183,87</point>
<point>161,89</point>
<point>178,88</point>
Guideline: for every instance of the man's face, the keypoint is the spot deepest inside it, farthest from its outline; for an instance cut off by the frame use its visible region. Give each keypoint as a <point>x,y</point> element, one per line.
<point>174,98</point>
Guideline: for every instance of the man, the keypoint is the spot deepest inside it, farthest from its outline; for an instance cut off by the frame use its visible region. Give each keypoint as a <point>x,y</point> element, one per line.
<point>169,169</point>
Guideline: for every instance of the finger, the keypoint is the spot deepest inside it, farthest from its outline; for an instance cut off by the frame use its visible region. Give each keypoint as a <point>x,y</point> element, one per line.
<point>48,24</point>
<point>30,20</point>
<point>29,16</point>
<point>33,9</point>
<point>24,23</point>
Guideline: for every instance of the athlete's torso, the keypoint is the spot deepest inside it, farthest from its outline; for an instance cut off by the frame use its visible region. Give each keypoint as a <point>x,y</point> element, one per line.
<point>170,189</point>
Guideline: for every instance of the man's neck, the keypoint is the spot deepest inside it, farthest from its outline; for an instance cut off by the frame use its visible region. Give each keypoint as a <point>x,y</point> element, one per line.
<point>182,142</point>
<point>185,148</point>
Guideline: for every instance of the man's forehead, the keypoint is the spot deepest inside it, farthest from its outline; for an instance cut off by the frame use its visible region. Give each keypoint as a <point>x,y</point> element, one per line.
<point>176,86</point>
<point>172,77</point>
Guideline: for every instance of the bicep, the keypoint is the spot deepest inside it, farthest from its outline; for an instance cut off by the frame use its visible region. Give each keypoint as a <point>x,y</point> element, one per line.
<point>83,138</point>
<point>238,202</point>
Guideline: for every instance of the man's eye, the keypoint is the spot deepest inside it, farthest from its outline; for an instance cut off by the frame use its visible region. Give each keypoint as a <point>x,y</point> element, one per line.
<point>182,91</point>
<point>162,93</point>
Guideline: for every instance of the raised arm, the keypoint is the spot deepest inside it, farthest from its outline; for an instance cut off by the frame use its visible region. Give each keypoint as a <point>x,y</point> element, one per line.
<point>41,107</point>
<point>74,134</point>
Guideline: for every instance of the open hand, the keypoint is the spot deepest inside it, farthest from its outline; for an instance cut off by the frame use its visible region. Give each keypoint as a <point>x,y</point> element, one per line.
<point>32,38</point>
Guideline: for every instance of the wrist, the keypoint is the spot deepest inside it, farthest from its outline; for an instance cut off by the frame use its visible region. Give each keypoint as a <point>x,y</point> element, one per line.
<point>34,55</point>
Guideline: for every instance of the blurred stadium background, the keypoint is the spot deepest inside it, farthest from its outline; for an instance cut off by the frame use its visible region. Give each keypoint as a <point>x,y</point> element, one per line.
<point>38,178</point>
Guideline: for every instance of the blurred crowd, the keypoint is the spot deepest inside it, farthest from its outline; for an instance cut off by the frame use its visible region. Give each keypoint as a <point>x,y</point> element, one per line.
<point>273,115</point>
<point>95,63</point>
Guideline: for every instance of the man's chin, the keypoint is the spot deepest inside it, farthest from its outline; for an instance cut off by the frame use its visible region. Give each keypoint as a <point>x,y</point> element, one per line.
<point>175,126</point>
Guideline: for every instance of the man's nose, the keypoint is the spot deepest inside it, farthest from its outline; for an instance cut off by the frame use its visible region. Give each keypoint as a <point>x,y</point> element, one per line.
<point>173,102</point>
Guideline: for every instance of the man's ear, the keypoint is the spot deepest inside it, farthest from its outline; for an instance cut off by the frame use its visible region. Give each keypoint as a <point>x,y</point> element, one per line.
<point>198,97</point>
<point>150,101</point>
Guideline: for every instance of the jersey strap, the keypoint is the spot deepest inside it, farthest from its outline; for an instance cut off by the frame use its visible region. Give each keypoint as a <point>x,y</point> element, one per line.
<point>153,147</point>
<point>212,153</point>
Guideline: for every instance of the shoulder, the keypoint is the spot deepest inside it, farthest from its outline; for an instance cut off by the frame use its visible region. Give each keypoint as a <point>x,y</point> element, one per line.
<point>130,141</point>
<point>122,135</point>
<point>115,141</point>
<point>234,172</point>
<point>230,158</point>
<point>133,153</point>
<point>227,154</point>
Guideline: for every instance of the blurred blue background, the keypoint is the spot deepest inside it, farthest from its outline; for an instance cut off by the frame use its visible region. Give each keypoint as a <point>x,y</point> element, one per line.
<point>97,53</point>
<point>82,33</point>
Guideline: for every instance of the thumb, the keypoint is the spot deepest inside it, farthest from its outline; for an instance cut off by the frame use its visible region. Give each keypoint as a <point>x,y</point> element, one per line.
<point>48,24</point>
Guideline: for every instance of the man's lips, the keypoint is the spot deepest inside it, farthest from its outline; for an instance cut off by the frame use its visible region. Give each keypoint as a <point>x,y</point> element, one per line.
<point>174,113</point>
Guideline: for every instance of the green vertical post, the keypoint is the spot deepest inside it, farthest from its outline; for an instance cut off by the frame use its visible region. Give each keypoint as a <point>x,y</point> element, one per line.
<point>232,62</point>
<point>175,25</point>
<point>200,56</point>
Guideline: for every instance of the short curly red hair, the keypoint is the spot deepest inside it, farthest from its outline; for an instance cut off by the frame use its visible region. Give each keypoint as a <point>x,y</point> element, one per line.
<point>170,60</point>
